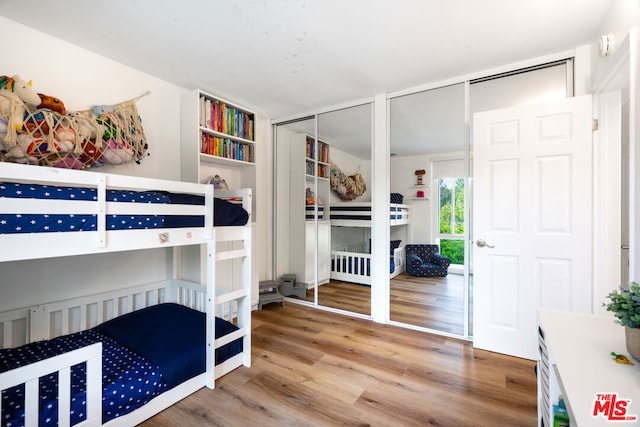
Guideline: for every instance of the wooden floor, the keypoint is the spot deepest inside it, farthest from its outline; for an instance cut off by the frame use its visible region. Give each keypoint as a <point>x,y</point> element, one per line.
<point>430,302</point>
<point>315,368</point>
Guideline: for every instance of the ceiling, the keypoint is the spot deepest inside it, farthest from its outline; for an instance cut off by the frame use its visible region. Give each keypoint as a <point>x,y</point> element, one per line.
<point>284,57</point>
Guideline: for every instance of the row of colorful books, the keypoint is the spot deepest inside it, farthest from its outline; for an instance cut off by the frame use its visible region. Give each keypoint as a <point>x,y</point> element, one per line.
<point>220,117</point>
<point>323,170</point>
<point>227,148</point>
<point>324,152</point>
<point>322,147</point>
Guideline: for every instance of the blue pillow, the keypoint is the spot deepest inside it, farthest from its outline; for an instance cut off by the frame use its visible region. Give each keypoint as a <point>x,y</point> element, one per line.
<point>414,260</point>
<point>396,198</point>
<point>394,244</point>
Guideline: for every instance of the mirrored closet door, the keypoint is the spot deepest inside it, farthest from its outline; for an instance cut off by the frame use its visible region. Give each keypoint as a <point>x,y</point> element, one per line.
<point>323,170</point>
<point>429,172</point>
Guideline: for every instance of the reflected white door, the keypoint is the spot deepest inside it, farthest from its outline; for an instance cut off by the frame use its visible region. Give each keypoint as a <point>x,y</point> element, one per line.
<point>533,207</point>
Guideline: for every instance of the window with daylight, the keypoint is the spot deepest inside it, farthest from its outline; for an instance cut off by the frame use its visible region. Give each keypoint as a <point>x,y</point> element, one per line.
<point>451,218</point>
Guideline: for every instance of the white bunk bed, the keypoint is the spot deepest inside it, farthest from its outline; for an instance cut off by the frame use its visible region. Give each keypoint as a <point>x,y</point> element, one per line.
<point>358,214</point>
<point>57,319</point>
<point>352,263</point>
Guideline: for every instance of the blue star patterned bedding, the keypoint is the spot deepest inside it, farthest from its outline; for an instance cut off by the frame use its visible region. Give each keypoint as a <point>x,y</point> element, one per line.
<point>139,361</point>
<point>225,213</point>
<point>129,379</point>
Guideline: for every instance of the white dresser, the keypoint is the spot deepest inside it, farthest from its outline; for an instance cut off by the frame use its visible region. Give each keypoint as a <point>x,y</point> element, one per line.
<point>575,362</point>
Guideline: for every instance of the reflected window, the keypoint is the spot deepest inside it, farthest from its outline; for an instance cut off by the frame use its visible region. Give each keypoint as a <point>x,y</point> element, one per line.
<point>451,218</point>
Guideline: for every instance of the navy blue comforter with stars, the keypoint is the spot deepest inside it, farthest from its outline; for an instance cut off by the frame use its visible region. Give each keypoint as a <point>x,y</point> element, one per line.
<point>36,223</point>
<point>144,353</point>
<point>129,379</point>
<point>225,212</point>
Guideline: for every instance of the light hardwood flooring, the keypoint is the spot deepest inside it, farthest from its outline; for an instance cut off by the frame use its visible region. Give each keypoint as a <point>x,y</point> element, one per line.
<point>316,368</point>
<point>430,302</point>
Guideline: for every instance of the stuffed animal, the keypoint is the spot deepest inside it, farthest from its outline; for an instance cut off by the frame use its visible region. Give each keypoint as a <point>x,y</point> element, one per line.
<point>37,123</point>
<point>100,110</point>
<point>218,182</point>
<point>4,124</point>
<point>110,124</point>
<point>116,153</point>
<point>90,153</point>
<point>14,94</point>
<point>65,136</point>
<point>68,161</point>
<point>53,104</point>
<point>29,149</point>
<point>310,197</point>
<point>88,128</point>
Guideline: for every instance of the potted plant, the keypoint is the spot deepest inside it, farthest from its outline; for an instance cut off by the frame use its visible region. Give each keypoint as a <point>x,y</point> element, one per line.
<point>625,305</point>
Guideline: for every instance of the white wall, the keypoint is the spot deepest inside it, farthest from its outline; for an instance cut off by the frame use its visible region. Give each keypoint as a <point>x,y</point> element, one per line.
<point>619,70</point>
<point>534,87</point>
<point>620,18</point>
<point>402,181</point>
<point>82,79</point>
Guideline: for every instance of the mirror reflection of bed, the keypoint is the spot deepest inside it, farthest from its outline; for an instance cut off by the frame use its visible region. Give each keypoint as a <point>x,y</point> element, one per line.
<point>429,131</point>
<point>330,253</point>
<point>304,196</point>
<point>427,134</point>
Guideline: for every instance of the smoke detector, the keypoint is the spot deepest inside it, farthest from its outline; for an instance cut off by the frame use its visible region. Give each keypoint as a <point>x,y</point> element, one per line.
<point>605,44</point>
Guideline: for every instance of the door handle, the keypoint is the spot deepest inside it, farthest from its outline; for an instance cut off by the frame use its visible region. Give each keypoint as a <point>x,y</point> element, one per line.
<point>481,244</point>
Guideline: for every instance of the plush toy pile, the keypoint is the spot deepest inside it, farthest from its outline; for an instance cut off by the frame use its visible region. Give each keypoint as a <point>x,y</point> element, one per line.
<point>37,129</point>
<point>348,187</point>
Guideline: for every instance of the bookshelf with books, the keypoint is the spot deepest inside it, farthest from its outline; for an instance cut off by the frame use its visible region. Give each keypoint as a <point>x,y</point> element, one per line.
<point>317,158</point>
<point>217,137</point>
<point>222,131</point>
<point>218,146</point>
<point>309,194</point>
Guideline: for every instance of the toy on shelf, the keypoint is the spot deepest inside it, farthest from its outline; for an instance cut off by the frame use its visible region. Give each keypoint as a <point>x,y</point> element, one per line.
<point>310,197</point>
<point>218,182</point>
<point>419,174</point>
<point>621,358</point>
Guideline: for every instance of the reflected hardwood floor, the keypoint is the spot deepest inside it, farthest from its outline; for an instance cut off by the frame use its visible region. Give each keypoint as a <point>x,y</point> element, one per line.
<point>430,302</point>
<point>316,368</point>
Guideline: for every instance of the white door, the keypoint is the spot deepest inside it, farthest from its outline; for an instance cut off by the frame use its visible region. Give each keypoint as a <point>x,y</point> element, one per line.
<point>532,207</point>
